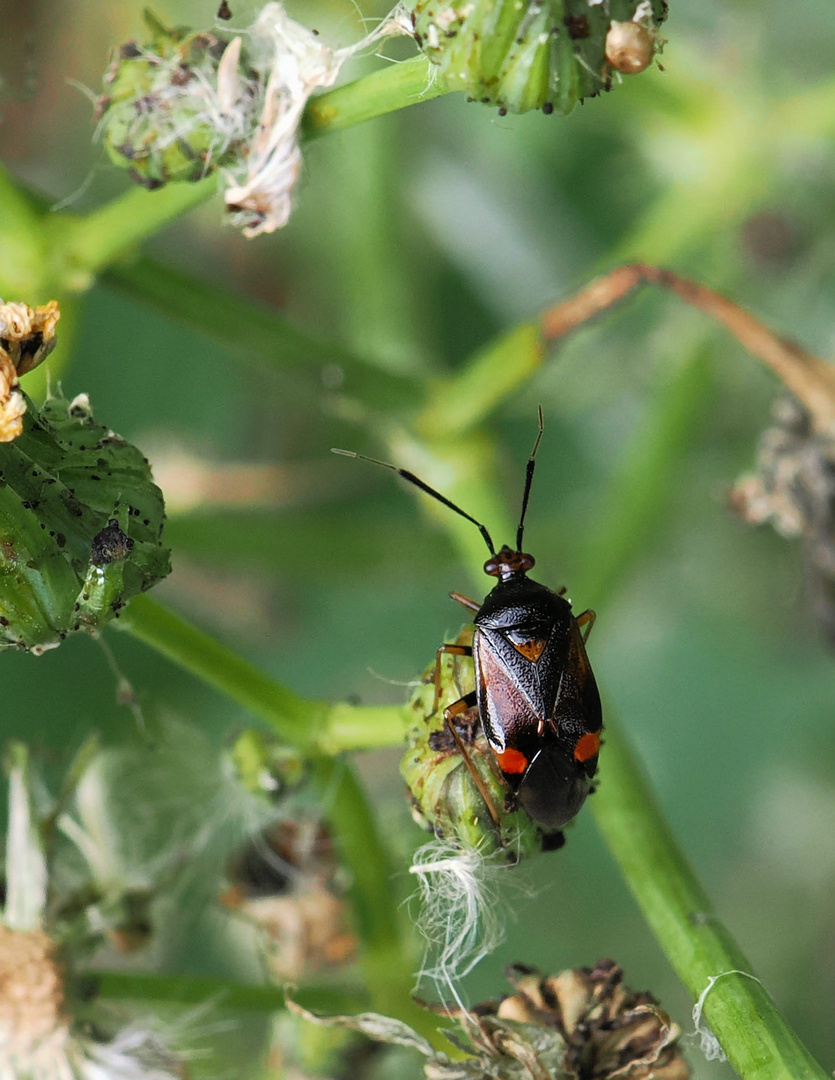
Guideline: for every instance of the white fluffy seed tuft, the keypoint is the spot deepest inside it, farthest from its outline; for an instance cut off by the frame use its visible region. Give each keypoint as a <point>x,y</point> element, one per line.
<point>461,913</point>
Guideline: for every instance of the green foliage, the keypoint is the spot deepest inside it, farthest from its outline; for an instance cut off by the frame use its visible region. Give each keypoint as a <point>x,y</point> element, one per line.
<point>82,526</point>
<point>401,320</point>
<point>522,56</point>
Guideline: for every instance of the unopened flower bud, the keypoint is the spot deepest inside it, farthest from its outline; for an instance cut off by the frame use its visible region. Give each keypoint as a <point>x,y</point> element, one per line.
<point>530,54</point>
<point>81,526</point>
<point>159,116</point>
<point>187,104</point>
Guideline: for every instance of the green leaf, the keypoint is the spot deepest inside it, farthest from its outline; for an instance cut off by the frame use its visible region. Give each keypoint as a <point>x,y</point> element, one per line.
<point>81,526</point>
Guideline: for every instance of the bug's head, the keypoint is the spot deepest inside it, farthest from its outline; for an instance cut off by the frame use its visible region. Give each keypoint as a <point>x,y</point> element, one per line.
<point>507,564</point>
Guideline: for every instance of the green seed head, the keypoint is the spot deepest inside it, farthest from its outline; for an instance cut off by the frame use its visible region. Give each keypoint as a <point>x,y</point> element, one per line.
<point>80,526</point>
<point>160,114</point>
<point>531,54</point>
<point>446,798</point>
<point>265,767</point>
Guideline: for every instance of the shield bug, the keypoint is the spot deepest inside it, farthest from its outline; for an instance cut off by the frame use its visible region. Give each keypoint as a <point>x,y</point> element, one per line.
<point>535,691</point>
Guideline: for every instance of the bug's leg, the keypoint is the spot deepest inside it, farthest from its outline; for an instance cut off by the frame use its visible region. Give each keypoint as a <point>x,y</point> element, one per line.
<point>561,591</point>
<point>470,605</point>
<point>460,706</point>
<point>448,650</point>
<point>455,709</point>
<point>586,617</point>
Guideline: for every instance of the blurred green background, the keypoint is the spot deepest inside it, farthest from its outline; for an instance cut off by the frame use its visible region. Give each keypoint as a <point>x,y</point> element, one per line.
<point>416,238</point>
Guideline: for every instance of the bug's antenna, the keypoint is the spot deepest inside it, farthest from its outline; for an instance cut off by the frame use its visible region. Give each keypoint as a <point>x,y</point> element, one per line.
<point>410,476</point>
<point>528,481</point>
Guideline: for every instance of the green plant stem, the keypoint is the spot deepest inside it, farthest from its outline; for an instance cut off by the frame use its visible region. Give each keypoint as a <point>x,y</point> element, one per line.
<point>296,720</point>
<point>196,989</point>
<point>90,243</point>
<point>632,514</point>
<point>317,727</point>
<point>361,727</point>
<point>254,330</point>
<point>486,379</point>
<point>395,87</point>
<point>758,1042</point>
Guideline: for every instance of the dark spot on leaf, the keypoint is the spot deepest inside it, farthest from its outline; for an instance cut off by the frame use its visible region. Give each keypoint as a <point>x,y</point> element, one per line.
<point>110,545</point>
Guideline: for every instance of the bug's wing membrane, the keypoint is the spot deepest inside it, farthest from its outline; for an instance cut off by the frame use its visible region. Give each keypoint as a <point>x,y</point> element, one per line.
<point>576,710</point>
<point>502,704</point>
<point>554,788</point>
<point>516,695</point>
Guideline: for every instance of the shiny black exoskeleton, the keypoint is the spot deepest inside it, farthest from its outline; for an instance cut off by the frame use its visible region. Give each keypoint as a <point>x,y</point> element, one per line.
<point>536,695</point>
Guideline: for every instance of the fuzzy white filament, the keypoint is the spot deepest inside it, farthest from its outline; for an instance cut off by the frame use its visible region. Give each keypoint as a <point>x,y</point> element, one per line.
<point>26,873</point>
<point>294,63</point>
<point>460,914</point>
<point>708,1043</point>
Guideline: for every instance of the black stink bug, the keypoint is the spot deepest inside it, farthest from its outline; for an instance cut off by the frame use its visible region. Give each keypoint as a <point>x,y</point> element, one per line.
<point>536,695</point>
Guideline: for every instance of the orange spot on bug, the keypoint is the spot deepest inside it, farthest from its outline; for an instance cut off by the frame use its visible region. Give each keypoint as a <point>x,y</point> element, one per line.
<point>587,746</point>
<point>532,649</point>
<point>512,761</point>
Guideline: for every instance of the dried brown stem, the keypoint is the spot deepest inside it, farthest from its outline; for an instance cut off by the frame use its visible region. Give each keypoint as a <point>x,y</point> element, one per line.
<point>809,378</point>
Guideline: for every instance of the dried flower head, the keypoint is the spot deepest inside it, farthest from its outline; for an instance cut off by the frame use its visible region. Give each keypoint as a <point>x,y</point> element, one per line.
<point>608,1030</point>
<point>27,337</point>
<point>579,1024</point>
<point>40,1038</point>
<point>793,489</point>
<point>288,884</point>
<point>190,103</point>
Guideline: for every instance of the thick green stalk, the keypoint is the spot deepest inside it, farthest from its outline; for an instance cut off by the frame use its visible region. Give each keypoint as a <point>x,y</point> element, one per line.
<point>395,87</point>
<point>195,989</point>
<point>90,243</point>
<point>293,718</point>
<point>757,1040</point>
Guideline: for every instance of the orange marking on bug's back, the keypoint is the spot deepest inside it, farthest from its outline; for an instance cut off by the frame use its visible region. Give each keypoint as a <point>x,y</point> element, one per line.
<point>531,650</point>
<point>512,761</point>
<point>587,746</point>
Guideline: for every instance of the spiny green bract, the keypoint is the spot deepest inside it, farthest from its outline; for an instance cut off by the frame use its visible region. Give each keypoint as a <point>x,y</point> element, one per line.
<point>80,526</point>
<point>445,797</point>
<point>160,115</point>
<point>527,54</point>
